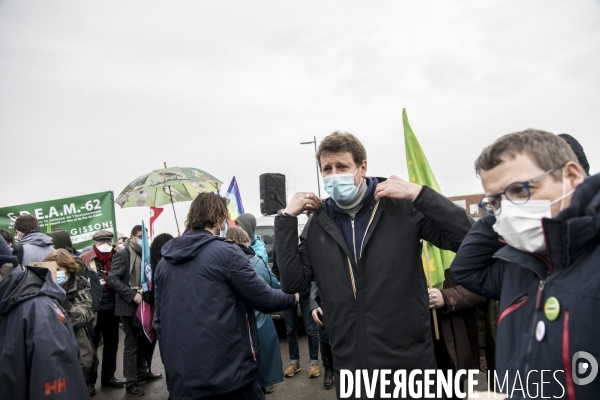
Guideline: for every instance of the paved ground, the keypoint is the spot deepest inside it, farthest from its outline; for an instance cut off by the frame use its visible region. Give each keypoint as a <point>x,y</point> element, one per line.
<point>299,387</point>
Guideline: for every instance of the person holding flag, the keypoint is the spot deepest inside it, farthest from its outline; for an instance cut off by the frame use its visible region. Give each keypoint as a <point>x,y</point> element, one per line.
<point>362,246</point>
<point>127,277</point>
<point>455,327</point>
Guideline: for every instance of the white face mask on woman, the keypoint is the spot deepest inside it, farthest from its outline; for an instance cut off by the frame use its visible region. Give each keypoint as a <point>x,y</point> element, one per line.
<point>521,225</point>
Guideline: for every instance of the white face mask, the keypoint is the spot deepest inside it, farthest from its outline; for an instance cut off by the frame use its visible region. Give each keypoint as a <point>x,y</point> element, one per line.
<point>104,248</point>
<point>521,225</point>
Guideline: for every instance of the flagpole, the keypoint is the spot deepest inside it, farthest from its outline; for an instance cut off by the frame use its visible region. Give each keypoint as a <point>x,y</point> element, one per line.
<point>435,324</point>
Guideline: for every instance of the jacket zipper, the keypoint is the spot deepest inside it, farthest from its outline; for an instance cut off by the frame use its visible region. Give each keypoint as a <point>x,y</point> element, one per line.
<point>354,243</point>
<point>540,295</point>
<point>539,300</point>
<point>250,336</point>
<point>352,281</point>
<point>566,354</point>
<point>511,308</point>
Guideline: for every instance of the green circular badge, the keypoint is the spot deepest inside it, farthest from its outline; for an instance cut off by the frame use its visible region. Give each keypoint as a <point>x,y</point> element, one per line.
<point>552,308</point>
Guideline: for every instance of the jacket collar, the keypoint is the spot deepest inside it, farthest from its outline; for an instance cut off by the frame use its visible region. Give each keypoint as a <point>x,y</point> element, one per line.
<point>324,217</point>
<point>368,199</point>
<point>571,232</point>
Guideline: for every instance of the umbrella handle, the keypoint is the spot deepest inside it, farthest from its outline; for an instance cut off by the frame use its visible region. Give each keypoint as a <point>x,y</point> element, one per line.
<point>173,205</point>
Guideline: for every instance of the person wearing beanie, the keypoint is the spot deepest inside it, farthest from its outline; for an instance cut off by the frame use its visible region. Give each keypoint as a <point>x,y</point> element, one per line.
<point>62,240</point>
<point>33,245</point>
<point>247,222</point>
<point>42,360</point>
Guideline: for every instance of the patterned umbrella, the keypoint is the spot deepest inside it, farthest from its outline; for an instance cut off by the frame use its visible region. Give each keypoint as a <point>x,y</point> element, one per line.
<point>167,185</point>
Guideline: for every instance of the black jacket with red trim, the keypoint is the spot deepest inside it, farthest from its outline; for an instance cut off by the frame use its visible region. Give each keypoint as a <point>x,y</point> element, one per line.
<point>570,272</point>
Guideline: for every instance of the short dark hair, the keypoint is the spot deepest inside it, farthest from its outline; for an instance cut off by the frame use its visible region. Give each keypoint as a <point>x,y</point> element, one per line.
<point>156,247</point>
<point>136,229</point>
<point>207,211</point>
<point>8,237</point>
<point>342,141</point>
<point>546,150</point>
<point>26,223</point>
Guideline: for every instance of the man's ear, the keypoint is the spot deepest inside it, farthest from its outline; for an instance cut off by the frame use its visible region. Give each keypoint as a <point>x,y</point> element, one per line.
<point>363,168</point>
<point>574,173</point>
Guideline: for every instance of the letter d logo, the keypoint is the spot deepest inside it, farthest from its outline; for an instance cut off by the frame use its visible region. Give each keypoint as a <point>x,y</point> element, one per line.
<point>583,367</point>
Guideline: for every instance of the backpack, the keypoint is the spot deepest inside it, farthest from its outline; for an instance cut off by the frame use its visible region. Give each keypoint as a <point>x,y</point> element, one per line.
<point>95,288</point>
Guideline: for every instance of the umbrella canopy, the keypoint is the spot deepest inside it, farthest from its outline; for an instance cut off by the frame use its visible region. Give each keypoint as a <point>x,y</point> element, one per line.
<point>167,185</point>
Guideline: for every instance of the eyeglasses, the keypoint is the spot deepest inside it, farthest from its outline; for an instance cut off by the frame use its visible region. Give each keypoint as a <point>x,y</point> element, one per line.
<point>109,241</point>
<point>517,193</point>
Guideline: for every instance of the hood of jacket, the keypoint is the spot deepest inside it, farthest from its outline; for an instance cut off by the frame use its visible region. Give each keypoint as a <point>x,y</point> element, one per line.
<point>247,250</point>
<point>36,239</point>
<point>184,248</point>
<point>577,227</point>
<point>61,240</point>
<point>20,286</point>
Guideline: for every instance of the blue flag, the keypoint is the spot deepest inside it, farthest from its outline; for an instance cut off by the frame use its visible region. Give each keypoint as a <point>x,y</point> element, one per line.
<point>146,271</point>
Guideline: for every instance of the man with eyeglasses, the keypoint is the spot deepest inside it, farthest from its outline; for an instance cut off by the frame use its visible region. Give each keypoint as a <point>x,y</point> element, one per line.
<point>537,251</point>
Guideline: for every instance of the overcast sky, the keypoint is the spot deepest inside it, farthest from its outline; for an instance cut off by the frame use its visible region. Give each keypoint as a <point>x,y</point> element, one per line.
<point>96,93</point>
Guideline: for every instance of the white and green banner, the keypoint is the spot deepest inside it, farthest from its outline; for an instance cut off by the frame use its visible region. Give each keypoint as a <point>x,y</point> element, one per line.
<point>81,216</point>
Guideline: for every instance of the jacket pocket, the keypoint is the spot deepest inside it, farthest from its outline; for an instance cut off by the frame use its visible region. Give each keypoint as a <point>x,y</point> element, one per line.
<point>250,337</point>
<point>511,308</point>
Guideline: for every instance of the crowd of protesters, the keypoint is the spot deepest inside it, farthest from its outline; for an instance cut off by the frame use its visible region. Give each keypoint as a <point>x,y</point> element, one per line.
<point>519,296</point>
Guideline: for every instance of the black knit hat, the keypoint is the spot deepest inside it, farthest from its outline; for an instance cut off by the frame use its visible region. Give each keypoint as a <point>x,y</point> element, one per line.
<point>6,254</point>
<point>578,150</point>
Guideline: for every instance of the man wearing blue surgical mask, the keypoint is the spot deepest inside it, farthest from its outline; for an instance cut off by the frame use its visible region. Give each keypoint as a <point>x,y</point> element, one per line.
<point>362,246</point>
<point>537,251</point>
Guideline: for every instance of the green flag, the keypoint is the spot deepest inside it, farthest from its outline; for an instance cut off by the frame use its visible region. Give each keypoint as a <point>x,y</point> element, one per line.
<point>420,172</point>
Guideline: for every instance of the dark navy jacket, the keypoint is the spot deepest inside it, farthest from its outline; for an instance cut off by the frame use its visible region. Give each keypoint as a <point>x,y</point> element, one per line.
<point>39,355</point>
<point>206,291</point>
<point>569,272</point>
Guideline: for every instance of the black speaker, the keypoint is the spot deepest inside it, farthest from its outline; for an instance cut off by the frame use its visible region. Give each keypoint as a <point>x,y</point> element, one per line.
<point>272,193</point>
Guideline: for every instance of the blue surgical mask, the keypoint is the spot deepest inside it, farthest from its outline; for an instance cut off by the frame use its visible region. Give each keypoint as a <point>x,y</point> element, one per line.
<point>341,187</point>
<point>61,277</point>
